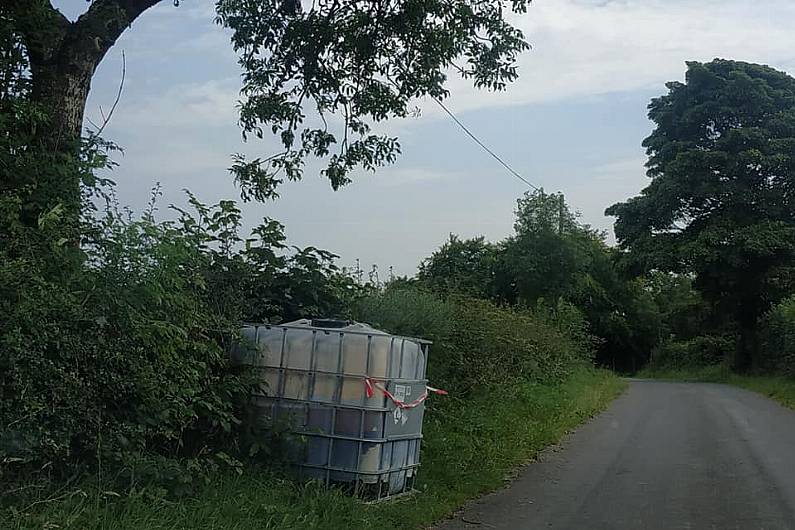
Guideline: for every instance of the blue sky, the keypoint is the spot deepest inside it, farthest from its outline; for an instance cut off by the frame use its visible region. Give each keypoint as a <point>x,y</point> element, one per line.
<point>573,122</point>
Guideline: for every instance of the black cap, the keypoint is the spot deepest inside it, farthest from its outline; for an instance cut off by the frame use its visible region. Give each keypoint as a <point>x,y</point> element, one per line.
<point>330,323</point>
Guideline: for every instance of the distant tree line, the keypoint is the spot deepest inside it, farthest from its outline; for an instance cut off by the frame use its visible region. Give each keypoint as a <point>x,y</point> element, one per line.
<point>551,259</point>
<point>705,253</point>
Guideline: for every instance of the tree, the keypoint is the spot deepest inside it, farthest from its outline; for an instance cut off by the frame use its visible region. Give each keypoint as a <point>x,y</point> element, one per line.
<point>549,249</point>
<point>31,173</point>
<point>554,257</point>
<point>721,204</point>
<point>463,266</point>
<point>361,60</point>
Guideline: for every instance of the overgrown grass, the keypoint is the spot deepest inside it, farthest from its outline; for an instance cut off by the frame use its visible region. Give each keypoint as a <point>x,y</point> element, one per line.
<point>779,388</point>
<point>470,448</point>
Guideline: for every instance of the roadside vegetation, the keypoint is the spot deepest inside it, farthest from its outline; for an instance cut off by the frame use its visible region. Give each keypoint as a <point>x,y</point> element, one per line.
<point>471,446</point>
<point>119,407</point>
<point>707,359</point>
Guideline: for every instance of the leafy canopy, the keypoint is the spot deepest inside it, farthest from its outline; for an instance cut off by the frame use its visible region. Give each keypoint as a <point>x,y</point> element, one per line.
<point>548,251</point>
<point>353,64</point>
<point>319,76</point>
<point>553,256</point>
<point>722,163</point>
<point>463,266</point>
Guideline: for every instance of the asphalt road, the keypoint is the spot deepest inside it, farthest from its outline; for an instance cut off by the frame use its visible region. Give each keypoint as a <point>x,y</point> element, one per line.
<point>663,456</point>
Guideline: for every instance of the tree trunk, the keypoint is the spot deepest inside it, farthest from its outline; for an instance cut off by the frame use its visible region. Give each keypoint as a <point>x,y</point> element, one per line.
<point>62,87</point>
<point>746,354</point>
<point>750,310</point>
<point>63,58</point>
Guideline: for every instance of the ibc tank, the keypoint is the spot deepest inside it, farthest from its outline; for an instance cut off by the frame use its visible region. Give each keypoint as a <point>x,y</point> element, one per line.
<point>352,394</point>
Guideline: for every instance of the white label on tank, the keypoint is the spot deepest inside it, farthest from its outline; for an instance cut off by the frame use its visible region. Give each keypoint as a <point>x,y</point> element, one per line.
<point>400,416</point>
<point>402,392</point>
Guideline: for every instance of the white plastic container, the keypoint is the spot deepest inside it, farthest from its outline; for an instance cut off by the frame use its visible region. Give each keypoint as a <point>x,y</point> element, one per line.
<point>314,376</point>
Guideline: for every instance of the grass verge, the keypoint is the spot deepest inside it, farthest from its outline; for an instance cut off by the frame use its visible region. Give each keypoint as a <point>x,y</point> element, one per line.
<point>470,448</point>
<point>781,389</point>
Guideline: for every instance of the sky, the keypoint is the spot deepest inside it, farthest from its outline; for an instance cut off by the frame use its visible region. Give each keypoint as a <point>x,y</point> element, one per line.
<point>573,122</point>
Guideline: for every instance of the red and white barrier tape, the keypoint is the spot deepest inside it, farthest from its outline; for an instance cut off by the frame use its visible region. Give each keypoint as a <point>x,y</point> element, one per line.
<point>370,385</point>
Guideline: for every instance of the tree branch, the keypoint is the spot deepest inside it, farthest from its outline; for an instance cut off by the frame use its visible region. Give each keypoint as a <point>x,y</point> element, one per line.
<point>106,119</point>
<point>41,26</point>
<point>105,21</point>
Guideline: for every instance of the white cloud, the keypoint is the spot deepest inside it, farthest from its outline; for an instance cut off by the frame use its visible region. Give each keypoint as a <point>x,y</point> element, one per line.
<point>401,176</point>
<point>213,41</point>
<point>580,47</point>
<point>189,105</point>
<point>619,169</point>
<point>585,48</point>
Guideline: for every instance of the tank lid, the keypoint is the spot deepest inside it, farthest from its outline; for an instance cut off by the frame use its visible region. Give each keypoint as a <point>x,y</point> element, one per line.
<point>335,324</point>
<point>342,326</point>
<point>330,323</point>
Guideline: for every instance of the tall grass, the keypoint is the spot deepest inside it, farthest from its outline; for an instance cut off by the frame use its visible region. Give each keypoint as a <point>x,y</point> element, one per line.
<point>469,449</point>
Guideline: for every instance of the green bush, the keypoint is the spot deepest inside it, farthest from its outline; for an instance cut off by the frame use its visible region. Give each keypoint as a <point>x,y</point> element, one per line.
<point>476,343</point>
<point>114,351</point>
<point>778,338</point>
<point>705,350</point>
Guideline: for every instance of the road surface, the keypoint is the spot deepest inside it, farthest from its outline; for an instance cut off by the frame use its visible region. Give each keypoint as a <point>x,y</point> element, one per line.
<point>663,456</point>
